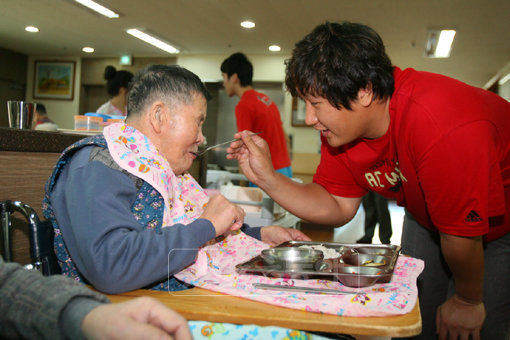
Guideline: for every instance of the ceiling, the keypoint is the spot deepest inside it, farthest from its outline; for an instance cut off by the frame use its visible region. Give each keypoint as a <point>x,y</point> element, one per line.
<point>480,50</point>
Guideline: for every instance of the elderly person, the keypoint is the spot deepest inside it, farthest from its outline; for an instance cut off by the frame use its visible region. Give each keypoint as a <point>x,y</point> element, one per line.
<point>126,213</point>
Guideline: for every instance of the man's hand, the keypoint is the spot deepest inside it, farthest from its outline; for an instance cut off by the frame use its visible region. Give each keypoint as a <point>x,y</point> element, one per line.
<point>275,235</point>
<point>141,318</point>
<point>459,319</point>
<point>253,155</point>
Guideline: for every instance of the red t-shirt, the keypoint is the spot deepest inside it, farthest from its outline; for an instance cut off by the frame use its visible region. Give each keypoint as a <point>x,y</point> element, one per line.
<point>445,157</point>
<point>258,113</point>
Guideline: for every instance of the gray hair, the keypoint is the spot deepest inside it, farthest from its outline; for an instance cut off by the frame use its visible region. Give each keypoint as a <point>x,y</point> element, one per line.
<point>171,84</point>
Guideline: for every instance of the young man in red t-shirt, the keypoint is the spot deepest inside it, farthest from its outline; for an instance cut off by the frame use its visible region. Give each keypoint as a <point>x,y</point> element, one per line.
<point>440,147</point>
<point>256,111</point>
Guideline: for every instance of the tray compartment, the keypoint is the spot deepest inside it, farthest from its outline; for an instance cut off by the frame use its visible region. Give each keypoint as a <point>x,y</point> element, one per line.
<point>336,269</point>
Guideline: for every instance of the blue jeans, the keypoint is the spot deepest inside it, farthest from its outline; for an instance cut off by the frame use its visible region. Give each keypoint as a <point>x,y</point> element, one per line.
<point>435,284</point>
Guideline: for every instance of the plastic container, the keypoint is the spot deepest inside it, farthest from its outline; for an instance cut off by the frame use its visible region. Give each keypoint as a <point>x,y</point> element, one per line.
<point>87,123</point>
<point>110,121</point>
<point>104,117</point>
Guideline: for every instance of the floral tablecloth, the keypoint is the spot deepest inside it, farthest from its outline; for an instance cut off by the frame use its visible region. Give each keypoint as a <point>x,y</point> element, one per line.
<point>215,270</point>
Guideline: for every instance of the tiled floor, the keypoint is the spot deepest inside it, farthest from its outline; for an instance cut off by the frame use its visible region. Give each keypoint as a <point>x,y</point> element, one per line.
<point>353,231</point>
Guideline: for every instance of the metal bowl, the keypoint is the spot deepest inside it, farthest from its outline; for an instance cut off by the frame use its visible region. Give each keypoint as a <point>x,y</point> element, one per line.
<point>383,251</point>
<point>292,259</point>
<point>366,260</point>
<point>360,276</point>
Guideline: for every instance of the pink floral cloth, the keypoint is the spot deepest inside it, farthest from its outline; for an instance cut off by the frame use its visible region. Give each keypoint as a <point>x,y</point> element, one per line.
<point>134,152</point>
<point>215,270</point>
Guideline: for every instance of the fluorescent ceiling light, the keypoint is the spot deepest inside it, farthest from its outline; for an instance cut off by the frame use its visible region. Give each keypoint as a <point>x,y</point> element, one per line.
<point>274,48</point>
<point>31,29</point>
<point>248,24</point>
<point>153,40</point>
<point>98,8</point>
<point>439,43</point>
<point>88,49</point>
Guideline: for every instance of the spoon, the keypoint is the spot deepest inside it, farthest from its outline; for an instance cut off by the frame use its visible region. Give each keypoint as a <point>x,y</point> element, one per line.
<point>198,154</point>
<point>304,289</point>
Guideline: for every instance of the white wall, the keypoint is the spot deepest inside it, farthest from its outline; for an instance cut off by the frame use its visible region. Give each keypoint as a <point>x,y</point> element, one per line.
<point>266,68</point>
<point>62,112</point>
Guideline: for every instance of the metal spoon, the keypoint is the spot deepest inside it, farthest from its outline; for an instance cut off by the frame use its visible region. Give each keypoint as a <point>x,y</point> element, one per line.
<point>303,289</point>
<point>198,154</point>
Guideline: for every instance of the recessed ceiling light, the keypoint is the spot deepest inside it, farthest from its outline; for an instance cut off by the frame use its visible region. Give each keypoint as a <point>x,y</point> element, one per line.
<point>88,49</point>
<point>31,29</point>
<point>159,43</point>
<point>248,24</point>
<point>98,8</point>
<point>274,48</point>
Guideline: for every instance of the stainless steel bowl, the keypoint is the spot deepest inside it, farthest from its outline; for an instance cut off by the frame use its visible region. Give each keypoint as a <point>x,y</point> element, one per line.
<point>293,259</point>
<point>384,251</point>
<point>360,276</point>
<point>366,260</point>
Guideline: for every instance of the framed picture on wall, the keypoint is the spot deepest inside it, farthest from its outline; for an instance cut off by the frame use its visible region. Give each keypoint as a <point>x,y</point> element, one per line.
<point>298,112</point>
<point>54,79</point>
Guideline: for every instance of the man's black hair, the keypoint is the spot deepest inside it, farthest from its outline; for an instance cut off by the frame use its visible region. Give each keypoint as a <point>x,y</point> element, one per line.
<point>336,60</point>
<point>238,63</point>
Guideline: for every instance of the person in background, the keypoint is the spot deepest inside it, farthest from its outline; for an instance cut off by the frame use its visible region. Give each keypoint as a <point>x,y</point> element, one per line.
<point>117,83</point>
<point>438,146</point>
<point>126,212</point>
<point>376,211</point>
<point>255,110</point>
<point>56,307</point>
<point>42,121</point>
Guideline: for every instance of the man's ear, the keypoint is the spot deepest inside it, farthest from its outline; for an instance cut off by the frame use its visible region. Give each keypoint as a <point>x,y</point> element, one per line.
<point>155,116</point>
<point>366,95</point>
<point>235,78</point>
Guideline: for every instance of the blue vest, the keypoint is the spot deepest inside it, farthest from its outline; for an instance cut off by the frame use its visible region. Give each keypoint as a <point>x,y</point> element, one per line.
<point>148,210</point>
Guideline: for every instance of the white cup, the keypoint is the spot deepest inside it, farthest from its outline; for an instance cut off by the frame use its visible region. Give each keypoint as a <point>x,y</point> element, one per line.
<point>21,114</point>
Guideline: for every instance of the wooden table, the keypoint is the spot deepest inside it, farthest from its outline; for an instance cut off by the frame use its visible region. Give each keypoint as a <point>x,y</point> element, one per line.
<point>205,305</point>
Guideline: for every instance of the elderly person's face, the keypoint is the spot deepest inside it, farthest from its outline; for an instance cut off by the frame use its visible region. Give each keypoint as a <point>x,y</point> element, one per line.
<point>182,133</point>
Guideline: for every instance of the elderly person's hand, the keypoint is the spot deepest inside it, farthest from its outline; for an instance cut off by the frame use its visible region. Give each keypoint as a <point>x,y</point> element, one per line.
<point>223,214</point>
<point>141,318</point>
<point>275,235</point>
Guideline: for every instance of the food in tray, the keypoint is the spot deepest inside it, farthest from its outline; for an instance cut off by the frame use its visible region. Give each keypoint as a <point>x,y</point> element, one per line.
<point>371,263</point>
<point>365,260</point>
<point>328,252</point>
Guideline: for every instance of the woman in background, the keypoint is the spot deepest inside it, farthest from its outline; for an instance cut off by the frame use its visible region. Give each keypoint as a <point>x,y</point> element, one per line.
<point>116,85</point>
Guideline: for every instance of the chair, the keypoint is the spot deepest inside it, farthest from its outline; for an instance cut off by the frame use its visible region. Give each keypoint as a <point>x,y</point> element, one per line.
<point>40,234</point>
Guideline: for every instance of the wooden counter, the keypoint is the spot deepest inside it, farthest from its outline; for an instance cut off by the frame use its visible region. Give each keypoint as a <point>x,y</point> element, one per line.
<point>201,304</point>
<point>27,158</point>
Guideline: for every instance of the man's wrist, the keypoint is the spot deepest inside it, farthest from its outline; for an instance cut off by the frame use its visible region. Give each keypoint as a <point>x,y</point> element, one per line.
<point>466,301</point>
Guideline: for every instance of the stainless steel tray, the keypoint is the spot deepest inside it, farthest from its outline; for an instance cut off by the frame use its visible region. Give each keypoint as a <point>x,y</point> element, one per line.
<point>344,268</point>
